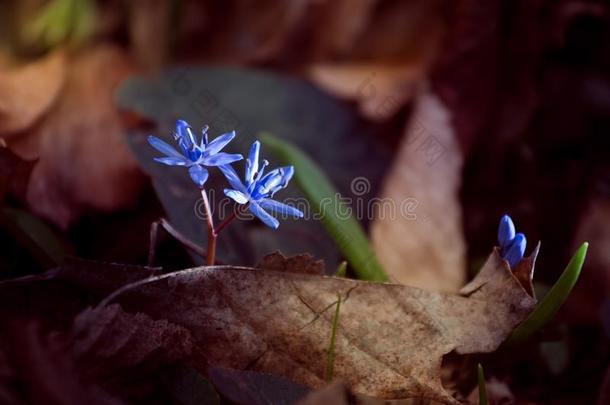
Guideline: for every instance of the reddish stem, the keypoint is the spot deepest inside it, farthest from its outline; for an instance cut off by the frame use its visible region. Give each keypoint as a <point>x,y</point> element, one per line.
<point>211,232</point>
<point>226,222</point>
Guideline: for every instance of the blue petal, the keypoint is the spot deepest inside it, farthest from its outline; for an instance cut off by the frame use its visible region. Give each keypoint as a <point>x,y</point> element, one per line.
<point>252,163</point>
<point>232,178</point>
<point>277,207</point>
<point>185,133</point>
<point>506,231</point>
<point>198,174</point>
<point>220,159</point>
<point>163,146</point>
<point>275,180</point>
<point>263,215</point>
<point>236,196</point>
<point>174,161</point>
<point>217,144</point>
<point>516,250</point>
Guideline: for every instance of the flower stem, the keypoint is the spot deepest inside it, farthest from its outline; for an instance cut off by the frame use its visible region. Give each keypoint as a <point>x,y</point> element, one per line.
<point>154,231</point>
<point>211,231</point>
<point>226,222</point>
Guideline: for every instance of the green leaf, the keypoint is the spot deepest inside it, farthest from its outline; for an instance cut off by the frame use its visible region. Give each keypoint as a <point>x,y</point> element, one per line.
<point>482,386</point>
<point>334,213</point>
<point>557,295</point>
<point>35,236</point>
<point>61,21</point>
<point>341,269</point>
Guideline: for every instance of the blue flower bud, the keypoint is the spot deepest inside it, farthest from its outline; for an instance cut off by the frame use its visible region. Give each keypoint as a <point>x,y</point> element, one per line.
<point>506,232</point>
<point>514,253</point>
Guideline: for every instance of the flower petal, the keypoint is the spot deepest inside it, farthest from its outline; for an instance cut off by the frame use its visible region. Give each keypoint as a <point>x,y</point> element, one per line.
<point>263,215</point>
<point>185,134</point>
<point>506,231</point>
<point>275,180</point>
<point>198,174</point>
<point>515,252</point>
<point>236,196</point>
<point>163,146</point>
<point>221,158</point>
<point>232,178</point>
<point>217,144</point>
<point>174,161</point>
<point>252,163</point>
<point>277,207</point>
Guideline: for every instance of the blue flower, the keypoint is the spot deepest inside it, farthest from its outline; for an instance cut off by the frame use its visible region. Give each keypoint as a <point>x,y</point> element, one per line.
<point>258,188</point>
<point>192,154</point>
<point>512,246</point>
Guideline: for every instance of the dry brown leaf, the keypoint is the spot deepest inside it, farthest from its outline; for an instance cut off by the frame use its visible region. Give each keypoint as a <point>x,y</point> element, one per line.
<point>380,89</point>
<point>14,174</point>
<point>589,294</point>
<point>27,93</point>
<point>108,335</point>
<point>390,340</point>
<point>338,393</point>
<point>423,245</point>
<point>150,22</point>
<point>84,161</point>
<point>303,263</point>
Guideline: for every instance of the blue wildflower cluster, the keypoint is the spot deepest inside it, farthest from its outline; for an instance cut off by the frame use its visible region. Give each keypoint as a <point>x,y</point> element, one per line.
<point>257,189</point>
<point>512,245</point>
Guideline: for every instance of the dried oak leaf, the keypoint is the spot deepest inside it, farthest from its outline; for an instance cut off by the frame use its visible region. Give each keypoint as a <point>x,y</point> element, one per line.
<point>390,340</point>
<point>423,245</point>
<point>338,393</point>
<point>303,263</point>
<point>27,92</point>
<point>38,368</point>
<point>110,340</point>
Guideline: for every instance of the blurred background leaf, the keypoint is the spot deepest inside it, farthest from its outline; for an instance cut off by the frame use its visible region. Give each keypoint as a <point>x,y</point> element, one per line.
<point>251,102</point>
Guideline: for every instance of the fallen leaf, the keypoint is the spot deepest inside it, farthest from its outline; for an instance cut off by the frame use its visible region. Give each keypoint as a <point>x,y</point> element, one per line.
<point>14,174</point>
<point>252,388</point>
<point>420,241</point>
<point>39,369</point>
<point>389,343</point>
<point>303,263</point>
<point>108,335</point>
<point>84,162</point>
<point>381,89</point>
<point>585,302</point>
<point>338,393</point>
<point>27,92</point>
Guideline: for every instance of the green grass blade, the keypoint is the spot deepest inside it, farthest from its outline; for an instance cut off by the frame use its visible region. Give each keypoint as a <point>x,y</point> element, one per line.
<point>553,300</point>
<point>330,360</point>
<point>344,229</point>
<point>43,243</point>
<point>341,269</point>
<point>482,386</point>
